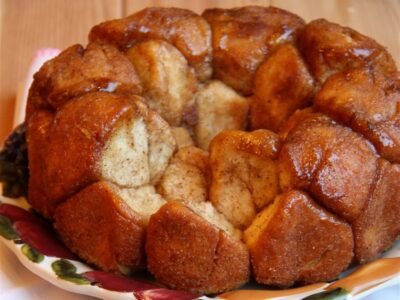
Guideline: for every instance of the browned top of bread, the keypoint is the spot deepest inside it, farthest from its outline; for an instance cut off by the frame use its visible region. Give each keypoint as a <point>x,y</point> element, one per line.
<point>184,29</point>
<point>330,161</point>
<point>77,71</point>
<point>368,102</point>
<point>328,48</point>
<point>243,37</point>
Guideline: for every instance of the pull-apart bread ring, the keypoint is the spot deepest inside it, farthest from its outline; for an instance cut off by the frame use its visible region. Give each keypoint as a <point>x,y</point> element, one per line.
<point>218,148</point>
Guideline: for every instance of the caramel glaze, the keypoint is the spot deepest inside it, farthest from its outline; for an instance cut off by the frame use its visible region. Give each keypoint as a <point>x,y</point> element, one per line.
<point>243,37</point>
<point>186,30</point>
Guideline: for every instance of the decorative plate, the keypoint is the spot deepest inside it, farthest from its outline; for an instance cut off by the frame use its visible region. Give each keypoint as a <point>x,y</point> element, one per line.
<point>37,247</point>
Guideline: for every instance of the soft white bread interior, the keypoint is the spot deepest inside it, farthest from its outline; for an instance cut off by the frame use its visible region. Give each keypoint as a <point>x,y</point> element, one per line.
<point>168,81</point>
<point>186,177</point>
<point>218,108</point>
<point>244,175</point>
<point>186,180</point>
<point>182,137</point>
<point>144,201</point>
<point>137,152</point>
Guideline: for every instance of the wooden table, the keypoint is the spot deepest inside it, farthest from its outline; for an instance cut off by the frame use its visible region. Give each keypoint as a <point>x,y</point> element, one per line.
<point>26,25</point>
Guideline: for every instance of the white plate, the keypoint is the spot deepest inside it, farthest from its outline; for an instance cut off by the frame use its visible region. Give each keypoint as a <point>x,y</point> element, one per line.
<point>39,251</point>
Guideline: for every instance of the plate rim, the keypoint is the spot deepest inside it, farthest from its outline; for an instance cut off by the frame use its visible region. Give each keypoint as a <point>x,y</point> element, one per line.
<point>44,271</point>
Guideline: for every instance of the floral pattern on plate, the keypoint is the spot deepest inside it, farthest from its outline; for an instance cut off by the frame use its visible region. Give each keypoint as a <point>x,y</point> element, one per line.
<point>37,246</point>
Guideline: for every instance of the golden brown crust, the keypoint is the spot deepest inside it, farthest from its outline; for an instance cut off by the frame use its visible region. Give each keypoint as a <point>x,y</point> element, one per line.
<point>186,252</point>
<point>301,242</point>
<point>73,143</point>
<point>98,226</point>
<point>186,30</point>
<point>329,48</point>
<point>77,71</point>
<point>36,136</point>
<point>379,224</point>
<point>367,101</point>
<point>386,138</point>
<point>296,118</point>
<point>282,84</point>
<point>243,37</point>
<point>336,165</point>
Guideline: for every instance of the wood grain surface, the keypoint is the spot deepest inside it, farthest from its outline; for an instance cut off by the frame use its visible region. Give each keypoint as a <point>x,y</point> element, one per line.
<point>26,25</point>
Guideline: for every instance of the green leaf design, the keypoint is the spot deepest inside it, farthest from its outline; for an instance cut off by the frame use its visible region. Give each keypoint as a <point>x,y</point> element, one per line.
<point>64,269</point>
<point>335,294</point>
<point>32,254</point>
<point>6,229</point>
